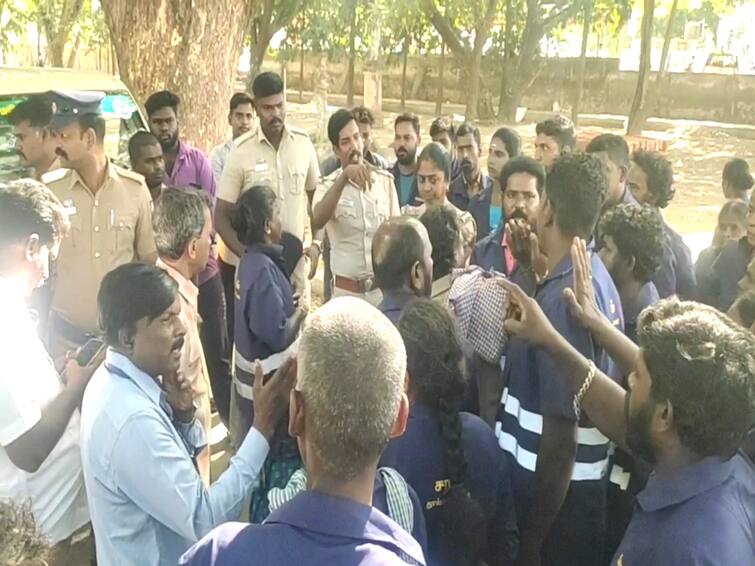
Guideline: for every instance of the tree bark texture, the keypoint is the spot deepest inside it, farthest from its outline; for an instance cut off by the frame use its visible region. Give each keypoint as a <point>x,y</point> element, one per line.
<point>190,47</point>
<point>635,121</point>
<point>352,54</point>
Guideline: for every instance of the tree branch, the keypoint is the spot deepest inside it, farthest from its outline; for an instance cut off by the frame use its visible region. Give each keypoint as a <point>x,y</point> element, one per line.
<point>557,16</point>
<point>445,29</point>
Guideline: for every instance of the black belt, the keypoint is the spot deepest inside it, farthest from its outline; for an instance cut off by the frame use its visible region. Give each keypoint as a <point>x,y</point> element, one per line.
<point>70,331</point>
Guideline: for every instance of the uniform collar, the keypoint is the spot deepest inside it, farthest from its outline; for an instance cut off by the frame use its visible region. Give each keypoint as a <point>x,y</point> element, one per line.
<point>272,251</point>
<point>687,483</point>
<point>335,516</point>
<point>186,287</point>
<point>263,138</point>
<point>395,300</point>
<point>565,266</point>
<point>441,285</point>
<point>125,367</point>
<point>111,173</point>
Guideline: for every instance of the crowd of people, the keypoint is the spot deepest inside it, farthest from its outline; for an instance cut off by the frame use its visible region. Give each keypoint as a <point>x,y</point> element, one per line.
<point>513,366</point>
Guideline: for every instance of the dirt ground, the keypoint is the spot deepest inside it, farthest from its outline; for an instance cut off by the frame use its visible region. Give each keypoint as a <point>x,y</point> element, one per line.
<point>697,151</point>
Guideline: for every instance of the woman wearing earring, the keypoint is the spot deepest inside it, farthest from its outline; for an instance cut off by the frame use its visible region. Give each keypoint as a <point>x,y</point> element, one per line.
<point>266,325</point>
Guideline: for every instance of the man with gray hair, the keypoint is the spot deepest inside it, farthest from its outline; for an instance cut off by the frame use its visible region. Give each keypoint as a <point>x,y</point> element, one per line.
<point>183,228</point>
<point>348,402</point>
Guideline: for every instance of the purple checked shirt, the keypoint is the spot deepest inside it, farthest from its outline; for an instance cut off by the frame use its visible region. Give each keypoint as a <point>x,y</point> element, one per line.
<point>193,169</point>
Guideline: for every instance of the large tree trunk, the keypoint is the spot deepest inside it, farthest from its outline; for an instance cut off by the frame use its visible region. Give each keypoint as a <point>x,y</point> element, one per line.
<point>635,121</point>
<point>508,51</point>
<point>586,23</point>
<point>473,88</point>
<point>655,90</point>
<point>199,62</point>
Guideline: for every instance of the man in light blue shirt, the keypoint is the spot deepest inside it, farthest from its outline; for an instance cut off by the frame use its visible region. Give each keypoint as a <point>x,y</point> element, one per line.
<point>139,437</point>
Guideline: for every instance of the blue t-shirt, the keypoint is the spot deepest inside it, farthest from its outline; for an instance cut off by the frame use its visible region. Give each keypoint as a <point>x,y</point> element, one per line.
<point>478,205</point>
<point>537,388</point>
<point>700,515</point>
<point>406,188</point>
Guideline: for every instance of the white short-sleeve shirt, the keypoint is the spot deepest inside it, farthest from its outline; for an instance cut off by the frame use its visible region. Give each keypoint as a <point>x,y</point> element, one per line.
<point>28,382</point>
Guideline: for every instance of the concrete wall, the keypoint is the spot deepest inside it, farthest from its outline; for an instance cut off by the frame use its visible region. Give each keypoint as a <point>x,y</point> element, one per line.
<point>716,97</point>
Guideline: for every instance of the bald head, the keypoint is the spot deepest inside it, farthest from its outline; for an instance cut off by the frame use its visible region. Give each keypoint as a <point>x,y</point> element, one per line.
<point>402,256</point>
<point>352,367</point>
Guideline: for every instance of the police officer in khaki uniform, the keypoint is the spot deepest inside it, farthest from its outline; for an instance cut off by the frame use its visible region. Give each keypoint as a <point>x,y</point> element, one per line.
<point>281,157</point>
<point>110,211</point>
<point>351,203</point>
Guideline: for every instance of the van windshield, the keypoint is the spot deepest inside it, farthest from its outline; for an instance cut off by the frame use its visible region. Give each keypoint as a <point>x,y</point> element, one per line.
<point>122,119</point>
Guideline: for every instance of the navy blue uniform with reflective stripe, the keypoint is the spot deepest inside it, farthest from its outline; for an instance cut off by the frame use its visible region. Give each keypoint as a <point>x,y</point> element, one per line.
<point>420,457</point>
<point>536,387</point>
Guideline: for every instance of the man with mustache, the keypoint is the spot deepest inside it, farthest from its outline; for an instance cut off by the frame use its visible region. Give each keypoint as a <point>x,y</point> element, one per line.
<point>187,166</point>
<point>406,141</point>
<point>351,204</point>
<point>110,211</point>
<point>472,190</point>
<point>146,156</point>
<point>139,434</point>
<point>34,144</point>
<point>183,234</point>
<point>522,180</point>
<point>279,155</point>
<point>688,409</point>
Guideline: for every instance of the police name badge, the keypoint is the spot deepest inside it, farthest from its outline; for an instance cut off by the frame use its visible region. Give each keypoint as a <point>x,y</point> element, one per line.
<point>261,166</point>
<point>69,208</point>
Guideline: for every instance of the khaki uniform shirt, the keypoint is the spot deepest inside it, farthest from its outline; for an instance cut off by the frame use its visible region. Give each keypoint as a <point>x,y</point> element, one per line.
<point>289,170</point>
<point>108,228</point>
<point>465,219</point>
<point>357,217</point>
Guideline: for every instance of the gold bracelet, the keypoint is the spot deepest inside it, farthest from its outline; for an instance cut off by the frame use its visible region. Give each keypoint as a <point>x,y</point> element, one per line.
<point>591,369</point>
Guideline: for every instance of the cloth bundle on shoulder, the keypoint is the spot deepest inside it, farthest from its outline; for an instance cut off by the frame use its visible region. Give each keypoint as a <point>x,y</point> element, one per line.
<point>479,305</point>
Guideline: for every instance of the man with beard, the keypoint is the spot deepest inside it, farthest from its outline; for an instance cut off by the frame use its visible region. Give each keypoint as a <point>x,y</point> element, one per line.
<point>504,145</point>
<point>522,180</point>
<point>146,156</point>
<point>472,190</point>
<point>351,204</point>
<point>110,211</point>
<point>187,166</point>
<point>403,264</point>
<point>139,432</point>
<point>559,459</point>
<point>34,144</point>
<point>651,181</point>
<point>279,155</point>
<point>405,144</point>
<point>687,411</point>
<point>366,122</point>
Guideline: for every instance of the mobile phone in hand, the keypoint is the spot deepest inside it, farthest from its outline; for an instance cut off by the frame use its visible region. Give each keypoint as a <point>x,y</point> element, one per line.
<point>90,351</point>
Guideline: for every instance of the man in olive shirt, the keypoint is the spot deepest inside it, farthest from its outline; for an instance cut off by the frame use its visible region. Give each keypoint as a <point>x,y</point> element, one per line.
<point>277,155</point>
<point>110,211</point>
<point>351,204</point>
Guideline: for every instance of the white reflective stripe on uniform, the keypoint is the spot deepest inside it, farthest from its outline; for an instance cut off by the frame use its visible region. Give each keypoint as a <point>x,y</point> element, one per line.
<point>528,460</point>
<point>269,365</point>
<point>533,422</point>
<point>620,477</point>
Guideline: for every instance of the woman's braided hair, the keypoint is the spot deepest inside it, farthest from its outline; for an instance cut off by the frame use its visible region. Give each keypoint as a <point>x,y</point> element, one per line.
<point>437,381</point>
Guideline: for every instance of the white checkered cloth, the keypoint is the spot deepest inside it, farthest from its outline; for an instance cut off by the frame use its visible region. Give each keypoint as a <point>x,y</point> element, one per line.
<point>400,507</point>
<point>479,305</point>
